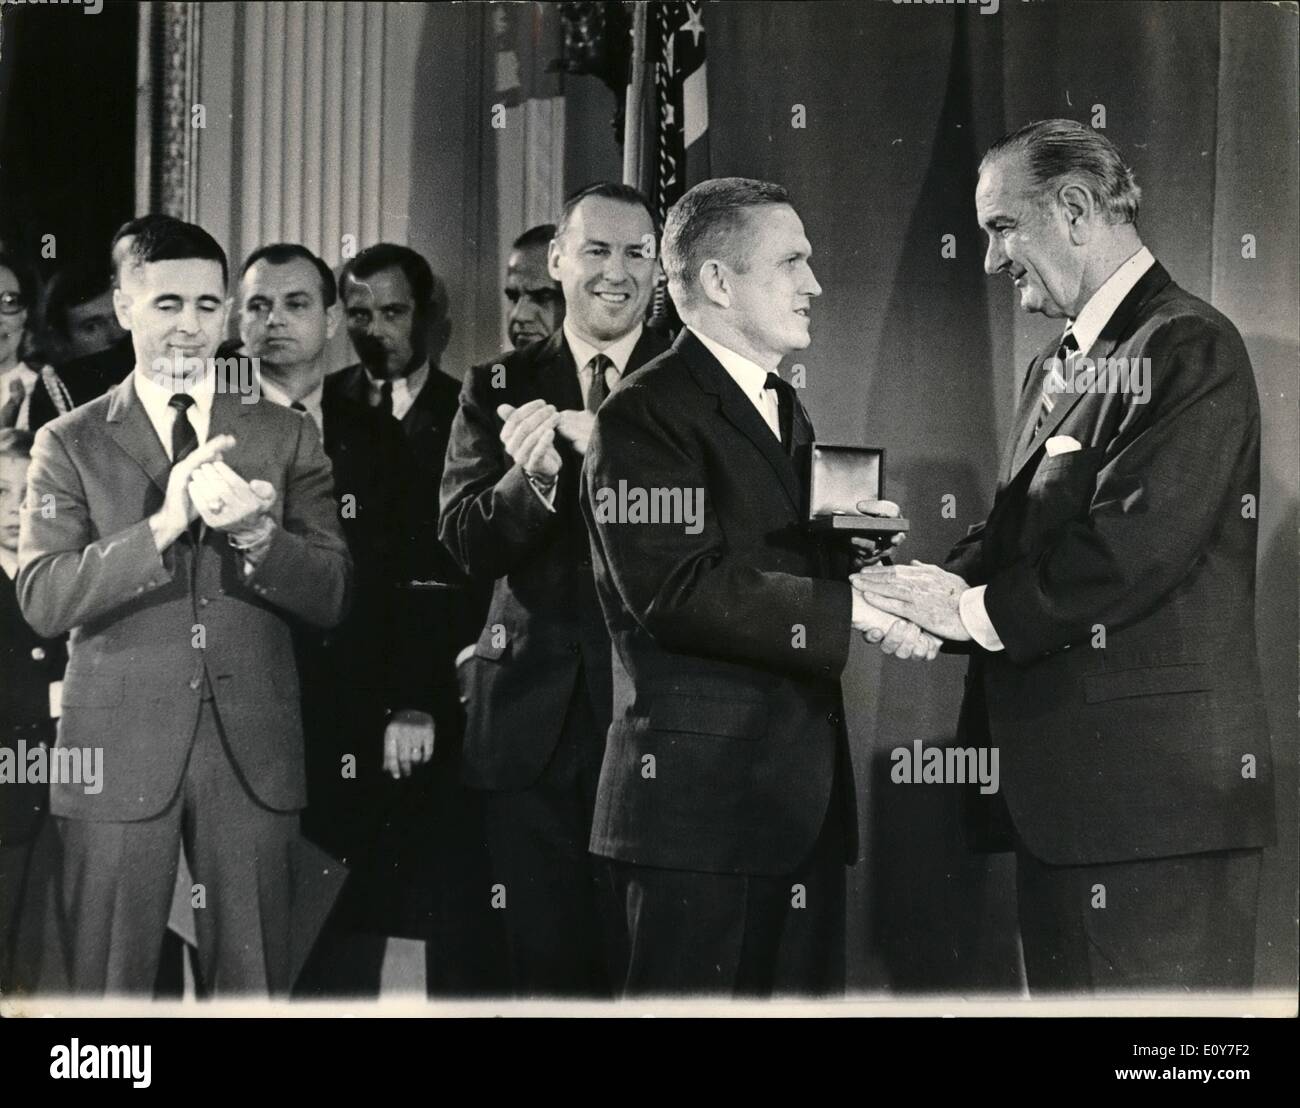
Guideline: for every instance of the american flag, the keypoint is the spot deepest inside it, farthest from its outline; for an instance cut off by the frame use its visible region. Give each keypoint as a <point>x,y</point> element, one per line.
<point>677,42</point>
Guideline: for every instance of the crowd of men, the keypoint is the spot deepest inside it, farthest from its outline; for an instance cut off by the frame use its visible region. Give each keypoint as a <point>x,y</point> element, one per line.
<point>361,657</point>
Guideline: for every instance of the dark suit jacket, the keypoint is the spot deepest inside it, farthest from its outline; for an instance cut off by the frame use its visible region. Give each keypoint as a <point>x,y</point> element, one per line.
<point>544,625</point>
<point>136,664</point>
<point>1133,749</point>
<point>29,664</point>
<point>728,644</point>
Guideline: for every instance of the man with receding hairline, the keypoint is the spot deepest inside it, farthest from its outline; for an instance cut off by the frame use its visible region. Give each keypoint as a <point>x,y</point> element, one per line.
<point>1108,599</point>
<point>725,807</point>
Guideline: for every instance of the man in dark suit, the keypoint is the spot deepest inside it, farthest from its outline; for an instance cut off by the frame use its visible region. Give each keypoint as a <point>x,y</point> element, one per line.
<point>725,803</point>
<point>539,682</point>
<point>535,297</point>
<point>176,530</point>
<point>1108,598</point>
<point>29,696</point>
<point>434,884</point>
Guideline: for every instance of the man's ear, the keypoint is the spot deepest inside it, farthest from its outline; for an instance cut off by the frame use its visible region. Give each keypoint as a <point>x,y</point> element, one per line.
<point>553,259</point>
<point>333,317</point>
<point>1079,210</point>
<point>122,309</point>
<point>715,283</point>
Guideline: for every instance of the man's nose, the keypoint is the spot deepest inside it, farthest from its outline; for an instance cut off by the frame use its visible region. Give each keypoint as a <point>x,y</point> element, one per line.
<point>994,257</point>
<point>814,288</point>
<point>189,319</point>
<point>615,268</point>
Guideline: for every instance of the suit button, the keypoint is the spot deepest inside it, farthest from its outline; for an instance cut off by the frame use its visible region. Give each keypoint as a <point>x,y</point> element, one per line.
<point>203,601</point>
<point>38,654</point>
<point>832,717</point>
<point>574,648</point>
<point>196,683</point>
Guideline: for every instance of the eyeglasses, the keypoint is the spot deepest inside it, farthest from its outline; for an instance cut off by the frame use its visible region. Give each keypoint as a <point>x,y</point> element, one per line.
<point>11,303</point>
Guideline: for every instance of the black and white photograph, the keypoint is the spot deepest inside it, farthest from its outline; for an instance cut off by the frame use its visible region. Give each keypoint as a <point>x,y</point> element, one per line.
<point>605,509</point>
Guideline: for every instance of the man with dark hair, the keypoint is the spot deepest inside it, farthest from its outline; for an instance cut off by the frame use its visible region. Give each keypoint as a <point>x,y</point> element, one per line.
<point>176,532</point>
<point>535,297</point>
<point>539,697</point>
<point>1108,600</point>
<point>77,314</point>
<point>725,806</point>
<point>396,313</point>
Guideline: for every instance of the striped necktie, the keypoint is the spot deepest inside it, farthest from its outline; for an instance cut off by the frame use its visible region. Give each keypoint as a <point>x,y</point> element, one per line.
<point>1055,377</point>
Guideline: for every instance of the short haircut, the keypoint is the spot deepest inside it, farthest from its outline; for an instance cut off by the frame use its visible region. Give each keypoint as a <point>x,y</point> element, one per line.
<point>15,443</point>
<point>540,235</point>
<point>428,290</point>
<point>1057,150</point>
<point>709,221</point>
<point>282,253</point>
<point>24,275</point>
<point>68,288</point>
<point>609,190</point>
<point>171,240</point>
<point>121,243</point>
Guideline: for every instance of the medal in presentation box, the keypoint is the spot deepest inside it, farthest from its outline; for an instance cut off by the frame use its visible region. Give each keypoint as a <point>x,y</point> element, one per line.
<point>840,476</point>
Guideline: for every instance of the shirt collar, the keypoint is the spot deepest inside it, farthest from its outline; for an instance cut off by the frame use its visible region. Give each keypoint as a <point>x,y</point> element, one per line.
<point>312,401</point>
<point>412,383</point>
<point>750,376</point>
<point>156,397</point>
<point>618,352</point>
<point>1101,306</point>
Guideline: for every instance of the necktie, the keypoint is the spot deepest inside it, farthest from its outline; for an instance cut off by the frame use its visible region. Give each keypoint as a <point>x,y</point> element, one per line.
<point>599,387</point>
<point>785,409</point>
<point>1053,375</point>
<point>298,406</point>
<point>12,406</point>
<point>386,398</point>
<point>184,440</point>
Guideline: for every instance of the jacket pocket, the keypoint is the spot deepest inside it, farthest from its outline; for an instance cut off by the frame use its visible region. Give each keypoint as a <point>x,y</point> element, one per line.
<point>1147,681</point>
<point>725,717</point>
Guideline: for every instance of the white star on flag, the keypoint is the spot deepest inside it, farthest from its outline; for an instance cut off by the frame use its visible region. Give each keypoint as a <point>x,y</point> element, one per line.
<point>693,24</point>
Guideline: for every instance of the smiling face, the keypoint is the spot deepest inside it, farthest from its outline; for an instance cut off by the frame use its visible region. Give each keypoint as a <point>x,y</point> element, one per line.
<point>384,323</point>
<point>771,297</point>
<point>283,320</point>
<point>535,297</point>
<point>173,309</point>
<point>605,263</point>
<point>1029,239</point>
<point>13,489</point>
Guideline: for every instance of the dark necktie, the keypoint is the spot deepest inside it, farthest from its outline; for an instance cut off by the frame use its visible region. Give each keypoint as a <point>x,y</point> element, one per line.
<point>1053,374</point>
<point>386,398</point>
<point>599,388</point>
<point>785,406</point>
<point>298,406</point>
<point>184,440</point>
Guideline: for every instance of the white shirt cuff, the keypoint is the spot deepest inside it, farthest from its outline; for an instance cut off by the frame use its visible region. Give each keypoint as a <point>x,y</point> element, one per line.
<point>975,618</point>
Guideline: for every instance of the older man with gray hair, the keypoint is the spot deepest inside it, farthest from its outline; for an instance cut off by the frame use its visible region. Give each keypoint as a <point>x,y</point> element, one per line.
<point>1108,599</point>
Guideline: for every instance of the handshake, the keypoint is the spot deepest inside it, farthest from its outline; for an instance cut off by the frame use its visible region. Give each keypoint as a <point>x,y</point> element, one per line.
<point>908,610</point>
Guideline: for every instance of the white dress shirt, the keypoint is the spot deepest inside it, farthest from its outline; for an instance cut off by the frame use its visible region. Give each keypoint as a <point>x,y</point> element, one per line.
<point>750,377</point>
<point>162,415</point>
<point>312,401</point>
<point>1087,329</point>
<point>28,376</point>
<point>405,389</point>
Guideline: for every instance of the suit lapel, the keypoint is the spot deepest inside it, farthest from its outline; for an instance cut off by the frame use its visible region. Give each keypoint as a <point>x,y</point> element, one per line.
<point>557,374</point>
<point>129,425</point>
<point>1117,328</point>
<point>737,409</point>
